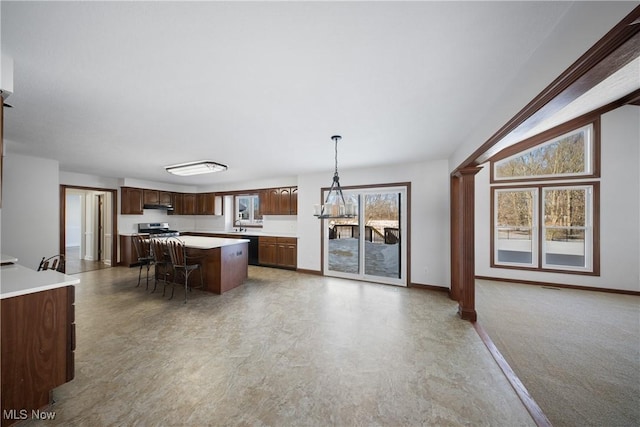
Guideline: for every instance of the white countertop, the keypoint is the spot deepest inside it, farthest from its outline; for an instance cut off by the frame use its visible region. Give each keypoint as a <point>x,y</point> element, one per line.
<point>202,242</point>
<point>16,280</point>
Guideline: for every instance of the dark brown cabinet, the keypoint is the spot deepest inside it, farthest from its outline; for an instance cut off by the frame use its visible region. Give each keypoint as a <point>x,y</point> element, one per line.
<point>178,204</point>
<point>205,204</point>
<point>151,197</point>
<point>287,252</point>
<point>278,252</point>
<point>156,197</point>
<point>267,251</point>
<point>128,255</point>
<point>131,201</point>
<point>294,201</point>
<point>166,198</point>
<point>37,349</point>
<point>279,201</point>
<point>188,204</point>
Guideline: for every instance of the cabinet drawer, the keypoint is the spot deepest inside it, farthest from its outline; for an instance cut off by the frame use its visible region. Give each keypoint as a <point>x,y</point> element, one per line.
<point>287,240</point>
<point>268,240</point>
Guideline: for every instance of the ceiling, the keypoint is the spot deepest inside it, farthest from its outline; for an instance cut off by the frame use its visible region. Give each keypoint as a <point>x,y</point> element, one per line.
<point>122,89</point>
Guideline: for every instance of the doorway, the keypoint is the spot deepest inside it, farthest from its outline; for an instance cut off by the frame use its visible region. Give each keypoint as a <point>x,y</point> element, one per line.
<point>373,245</point>
<point>88,226</point>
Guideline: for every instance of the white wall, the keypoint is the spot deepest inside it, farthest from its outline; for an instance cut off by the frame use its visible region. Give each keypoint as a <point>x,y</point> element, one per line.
<point>84,180</point>
<point>30,208</point>
<point>619,212</point>
<point>429,215</point>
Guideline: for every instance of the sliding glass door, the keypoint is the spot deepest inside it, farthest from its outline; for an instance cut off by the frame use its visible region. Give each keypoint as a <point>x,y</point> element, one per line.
<point>370,246</point>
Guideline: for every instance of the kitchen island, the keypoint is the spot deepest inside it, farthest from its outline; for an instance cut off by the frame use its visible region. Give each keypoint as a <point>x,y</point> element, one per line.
<point>38,338</point>
<point>225,262</point>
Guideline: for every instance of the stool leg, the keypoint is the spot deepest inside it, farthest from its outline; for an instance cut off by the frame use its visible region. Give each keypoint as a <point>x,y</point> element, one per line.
<point>139,275</point>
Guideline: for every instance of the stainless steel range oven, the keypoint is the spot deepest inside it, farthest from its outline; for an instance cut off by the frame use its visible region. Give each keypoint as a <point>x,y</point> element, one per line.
<point>157,229</point>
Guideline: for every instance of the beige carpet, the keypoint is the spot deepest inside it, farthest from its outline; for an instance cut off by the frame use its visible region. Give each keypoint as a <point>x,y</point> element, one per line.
<point>577,352</point>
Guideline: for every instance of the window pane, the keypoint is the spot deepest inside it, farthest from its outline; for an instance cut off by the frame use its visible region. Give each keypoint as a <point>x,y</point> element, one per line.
<point>566,155</point>
<point>382,234</point>
<point>514,226</point>
<point>246,210</point>
<point>344,245</point>
<point>564,207</point>
<point>565,246</point>
<point>565,222</point>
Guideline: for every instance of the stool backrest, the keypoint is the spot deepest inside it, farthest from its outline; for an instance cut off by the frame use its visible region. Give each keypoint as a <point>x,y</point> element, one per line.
<point>159,250</point>
<point>55,262</point>
<point>141,246</point>
<point>177,252</point>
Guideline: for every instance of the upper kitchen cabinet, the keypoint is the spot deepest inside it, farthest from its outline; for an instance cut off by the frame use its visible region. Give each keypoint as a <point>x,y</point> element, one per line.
<point>206,204</point>
<point>178,204</point>
<point>269,204</point>
<point>158,198</point>
<point>131,201</point>
<point>293,207</point>
<point>279,201</point>
<point>189,204</point>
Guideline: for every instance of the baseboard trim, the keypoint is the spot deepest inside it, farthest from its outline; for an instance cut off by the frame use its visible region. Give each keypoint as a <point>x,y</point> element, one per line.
<point>428,287</point>
<point>529,403</point>
<point>559,285</point>
<point>305,271</point>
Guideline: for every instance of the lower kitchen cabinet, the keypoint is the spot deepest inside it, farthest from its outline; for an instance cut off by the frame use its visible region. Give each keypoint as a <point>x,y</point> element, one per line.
<point>278,252</point>
<point>38,345</point>
<point>128,254</point>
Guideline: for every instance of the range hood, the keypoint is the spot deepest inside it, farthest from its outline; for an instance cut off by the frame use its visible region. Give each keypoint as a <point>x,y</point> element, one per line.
<point>157,206</point>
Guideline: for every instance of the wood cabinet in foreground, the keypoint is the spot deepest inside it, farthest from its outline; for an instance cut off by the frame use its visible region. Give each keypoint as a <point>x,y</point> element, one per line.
<point>38,344</point>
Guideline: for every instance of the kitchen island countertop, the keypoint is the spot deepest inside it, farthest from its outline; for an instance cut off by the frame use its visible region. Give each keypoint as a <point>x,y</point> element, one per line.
<point>202,242</point>
<point>248,232</point>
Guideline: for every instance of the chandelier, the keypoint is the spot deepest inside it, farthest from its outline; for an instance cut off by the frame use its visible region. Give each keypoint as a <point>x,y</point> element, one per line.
<point>335,205</point>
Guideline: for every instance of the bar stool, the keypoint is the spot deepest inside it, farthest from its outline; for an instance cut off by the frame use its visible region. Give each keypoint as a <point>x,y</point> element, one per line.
<point>144,256</point>
<point>55,262</point>
<point>180,264</point>
<point>161,261</point>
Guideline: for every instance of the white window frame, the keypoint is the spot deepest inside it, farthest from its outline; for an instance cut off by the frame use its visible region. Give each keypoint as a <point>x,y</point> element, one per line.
<point>587,228</point>
<point>251,221</point>
<point>589,158</point>
<point>539,229</point>
<point>534,228</point>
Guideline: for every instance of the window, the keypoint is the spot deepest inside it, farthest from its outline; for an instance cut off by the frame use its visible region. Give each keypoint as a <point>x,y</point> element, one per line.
<point>247,210</point>
<point>567,227</point>
<point>550,226</point>
<point>545,227</point>
<point>516,219</point>
<point>568,155</point>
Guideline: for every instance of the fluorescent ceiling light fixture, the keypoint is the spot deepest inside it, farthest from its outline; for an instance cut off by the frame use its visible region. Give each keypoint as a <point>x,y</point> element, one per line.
<point>196,168</point>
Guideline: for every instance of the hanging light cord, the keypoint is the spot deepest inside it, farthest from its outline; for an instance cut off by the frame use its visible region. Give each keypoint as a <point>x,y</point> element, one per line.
<point>335,139</point>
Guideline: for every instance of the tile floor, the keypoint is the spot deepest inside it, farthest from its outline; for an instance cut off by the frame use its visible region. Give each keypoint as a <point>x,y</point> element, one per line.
<point>283,349</point>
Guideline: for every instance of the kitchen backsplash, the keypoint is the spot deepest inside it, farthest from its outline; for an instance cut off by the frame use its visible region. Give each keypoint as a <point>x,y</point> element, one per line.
<point>285,224</point>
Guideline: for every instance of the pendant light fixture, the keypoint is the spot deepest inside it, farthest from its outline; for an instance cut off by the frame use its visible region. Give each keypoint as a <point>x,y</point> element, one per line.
<point>335,205</point>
